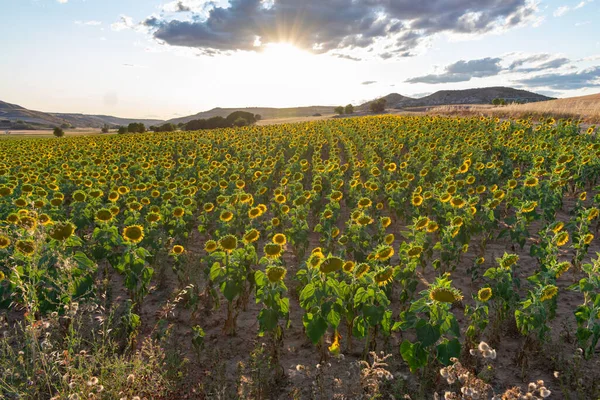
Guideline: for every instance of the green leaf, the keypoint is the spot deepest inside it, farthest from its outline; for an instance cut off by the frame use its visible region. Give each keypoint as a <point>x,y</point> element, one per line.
<point>315,326</point>
<point>413,354</point>
<point>267,319</point>
<point>426,333</point>
<point>447,350</point>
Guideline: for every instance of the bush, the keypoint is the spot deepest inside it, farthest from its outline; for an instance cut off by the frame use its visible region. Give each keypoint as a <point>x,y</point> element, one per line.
<point>122,130</point>
<point>499,102</point>
<point>59,132</point>
<point>349,109</point>
<point>339,110</point>
<point>136,127</point>
<point>240,122</point>
<point>378,106</point>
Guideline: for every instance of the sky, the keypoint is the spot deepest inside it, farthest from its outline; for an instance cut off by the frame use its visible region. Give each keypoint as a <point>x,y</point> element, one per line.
<point>166,59</point>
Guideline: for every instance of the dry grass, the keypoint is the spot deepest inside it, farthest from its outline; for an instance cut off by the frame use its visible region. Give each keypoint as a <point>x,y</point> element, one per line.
<point>586,108</point>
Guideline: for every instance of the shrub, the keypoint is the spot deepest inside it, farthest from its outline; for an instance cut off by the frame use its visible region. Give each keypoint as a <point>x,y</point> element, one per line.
<point>59,132</point>
<point>378,106</point>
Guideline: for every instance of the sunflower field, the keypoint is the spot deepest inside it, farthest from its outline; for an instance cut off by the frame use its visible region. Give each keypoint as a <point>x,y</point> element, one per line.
<point>276,261</point>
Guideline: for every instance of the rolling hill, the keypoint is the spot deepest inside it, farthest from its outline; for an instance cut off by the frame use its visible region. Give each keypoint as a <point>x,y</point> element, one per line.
<point>471,96</point>
<point>265,112</point>
<point>391,100</point>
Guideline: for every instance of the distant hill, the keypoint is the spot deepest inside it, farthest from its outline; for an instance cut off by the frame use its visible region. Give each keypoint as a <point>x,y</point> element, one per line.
<point>37,119</point>
<point>13,113</point>
<point>97,121</point>
<point>390,100</point>
<point>265,112</point>
<point>472,96</point>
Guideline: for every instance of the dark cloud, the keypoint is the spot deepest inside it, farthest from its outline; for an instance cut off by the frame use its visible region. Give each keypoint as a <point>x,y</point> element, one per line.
<point>325,25</point>
<point>577,80</point>
<point>368,83</point>
<point>182,7</point>
<point>463,71</point>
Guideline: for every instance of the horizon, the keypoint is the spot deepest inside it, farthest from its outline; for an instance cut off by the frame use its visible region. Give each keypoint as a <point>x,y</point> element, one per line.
<point>169,59</point>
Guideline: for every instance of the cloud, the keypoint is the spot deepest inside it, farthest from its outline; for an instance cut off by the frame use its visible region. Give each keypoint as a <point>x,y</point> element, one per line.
<point>366,83</point>
<point>462,71</point>
<point>576,80</point>
<point>346,57</point>
<point>324,26</point>
<point>88,23</point>
<point>63,1</point>
<point>123,23</point>
<point>560,11</point>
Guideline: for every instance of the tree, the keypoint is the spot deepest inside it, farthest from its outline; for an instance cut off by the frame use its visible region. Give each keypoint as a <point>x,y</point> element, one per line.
<point>499,102</point>
<point>58,132</point>
<point>377,106</point>
<point>257,117</point>
<point>234,116</point>
<point>349,109</point>
<point>105,128</point>
<point>168,127</point>
<point>240,122</point>
<point>122,130</point>
<point>339,110</point>
<point>136,127</point>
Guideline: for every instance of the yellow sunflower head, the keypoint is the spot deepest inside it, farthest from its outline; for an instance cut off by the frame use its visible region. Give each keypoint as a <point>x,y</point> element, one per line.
<point>331,264</point>
<point>251,236</point>
<point>104,215</point>
<point>280,239</point>
<point>484,294</point>
<point>275,273</point>
<point>25,247</point>
<point>273,250</point>
<point>361,270</point>
<point>228,243</point>
<point>133,233</point>
<point>548,292</point>
<point>4,241</point>
<point>226,216</point>
<point>210,246</point>
<point>177,249</point>
<point>178,212</point>
<point>385,276</point>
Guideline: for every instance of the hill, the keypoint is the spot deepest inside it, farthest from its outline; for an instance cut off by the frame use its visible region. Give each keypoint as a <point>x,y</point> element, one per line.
<point>11,113</point>
<point>97,121</point>
<point>265,112</point>
<point>472,96</point>
<point>391,100</point>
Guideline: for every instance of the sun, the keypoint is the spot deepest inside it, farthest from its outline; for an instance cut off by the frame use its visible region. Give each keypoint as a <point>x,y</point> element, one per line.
<point>284,61</point>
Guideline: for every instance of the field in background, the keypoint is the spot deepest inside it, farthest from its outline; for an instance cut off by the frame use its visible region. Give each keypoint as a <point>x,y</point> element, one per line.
<point>585,107</point>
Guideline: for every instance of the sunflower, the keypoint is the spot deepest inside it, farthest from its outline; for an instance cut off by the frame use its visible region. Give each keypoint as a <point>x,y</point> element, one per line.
<point>480,260</point>
<point>364,220</point>
<point>361,270</point>
<point>417,200</point>
<point>275,273</point>
<point>4,241</point>
<point>582,196</point>
<point>557,226</point>
<point>457,202</point>
<point>251,236</point>
<point>25,247</point>
<point>531,182</point>
<point>280,239</point>
<point>446,197</point>
<point>226,216</point>
<point>178,212</point>
<point>389,239</point>
<point>415,251</point>
<point>210,246</point>
<point>113,197</point>
<point>20,202</point>
<point>336,195</point>
<point>331,264</point>
<point>133,233</point>
<point>79,196</point>
<point>445,294</point>
<point>421,223</point>
<point>561,268</point>
<point>548,292</point>
<point>61,231</point>
<point>272,250</point>
<point>432,226</point>
<point>529,206</point>
<point>364,202</point>
<point>384,276</point>
<point>254,212</point>
<point>45,219</point>
<point>593,214</point>
<point>104,215</point>
<point>349,266</point>
<point>28,223</point>
<point>177,249</point>
<point>386,221</point>
<point>280,199</point>
<point>561,239</point>
<point>484,294</point>
<point>228,243</point>
<point>587,239</point>
<point>384,253</point>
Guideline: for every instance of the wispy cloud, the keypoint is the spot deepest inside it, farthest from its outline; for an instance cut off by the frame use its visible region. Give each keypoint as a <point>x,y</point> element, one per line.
<point>88,23</point>
<point>366,83</point>
<point>560,11</point>
<point>123,23</point>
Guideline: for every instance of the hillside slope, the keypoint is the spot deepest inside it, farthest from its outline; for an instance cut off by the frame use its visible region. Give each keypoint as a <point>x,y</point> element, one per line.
<point>390,100</point>
<point>13,113</point>
<point>97,121</point>
<point>265,112</point>
<point>472,96</point>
